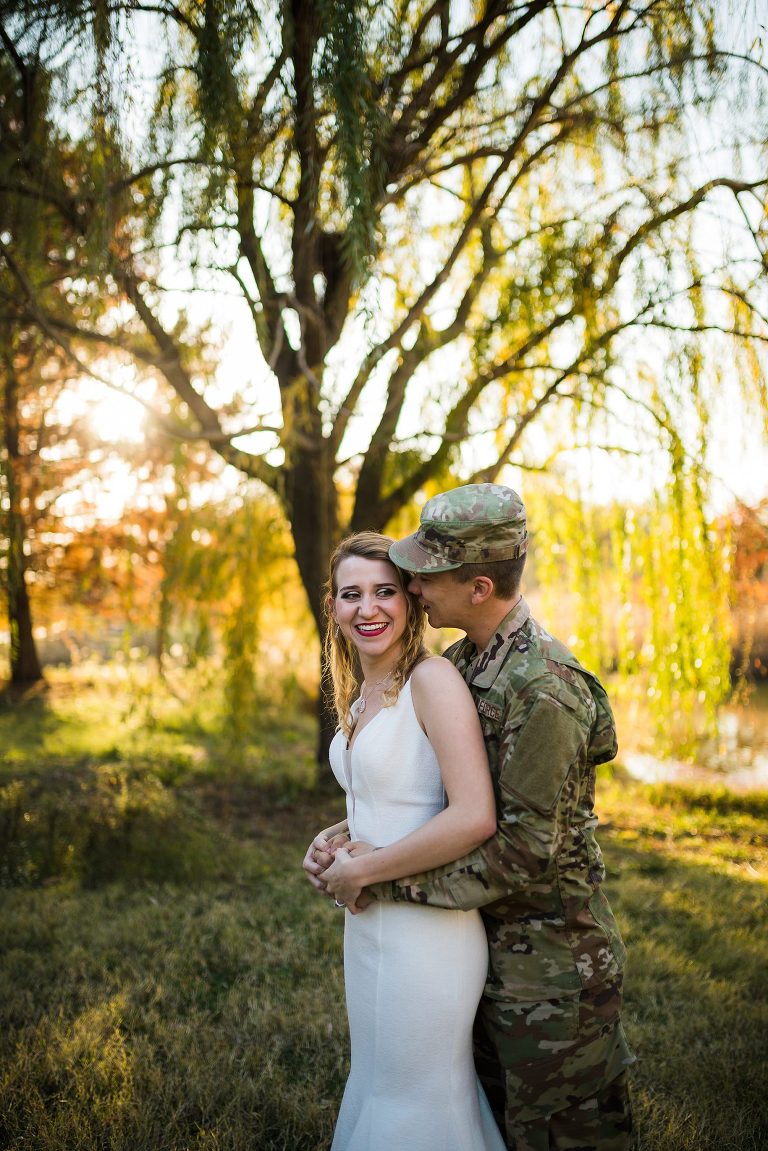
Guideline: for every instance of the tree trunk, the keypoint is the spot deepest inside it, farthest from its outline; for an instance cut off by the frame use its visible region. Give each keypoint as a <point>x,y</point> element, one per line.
<point>25,665</point>
<point>311,505</point>
<point>326,724</point>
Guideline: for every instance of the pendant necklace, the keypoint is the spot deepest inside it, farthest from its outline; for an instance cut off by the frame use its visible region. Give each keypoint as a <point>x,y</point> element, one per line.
<point>363,701</point>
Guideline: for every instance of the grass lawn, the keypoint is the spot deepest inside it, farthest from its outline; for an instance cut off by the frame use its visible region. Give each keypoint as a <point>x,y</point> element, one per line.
<point>169,981</point>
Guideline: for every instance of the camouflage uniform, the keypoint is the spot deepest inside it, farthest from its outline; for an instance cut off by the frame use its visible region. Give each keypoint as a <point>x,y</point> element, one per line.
<point>549,1044</point>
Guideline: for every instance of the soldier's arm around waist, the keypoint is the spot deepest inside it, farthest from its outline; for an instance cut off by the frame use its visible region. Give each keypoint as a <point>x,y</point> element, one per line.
<point>540,772</point>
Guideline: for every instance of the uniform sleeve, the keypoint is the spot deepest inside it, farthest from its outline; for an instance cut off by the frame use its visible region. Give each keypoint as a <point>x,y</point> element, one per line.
<point>541,762</point>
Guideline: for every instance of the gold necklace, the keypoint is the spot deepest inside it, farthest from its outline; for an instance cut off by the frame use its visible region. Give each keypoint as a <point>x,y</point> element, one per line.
<point>364,698</point>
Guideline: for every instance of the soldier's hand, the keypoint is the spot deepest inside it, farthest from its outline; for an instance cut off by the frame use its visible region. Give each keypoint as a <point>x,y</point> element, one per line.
<point>323,859</point>
<point>340,840</point>
<point>361,902</point>
<point>359,847</point>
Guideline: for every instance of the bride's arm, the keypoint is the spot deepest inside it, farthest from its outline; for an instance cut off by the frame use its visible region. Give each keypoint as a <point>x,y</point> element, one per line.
<point>447,714</point>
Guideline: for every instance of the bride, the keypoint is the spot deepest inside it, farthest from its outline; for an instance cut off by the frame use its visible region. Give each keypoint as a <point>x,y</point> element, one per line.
<point>409,754</point>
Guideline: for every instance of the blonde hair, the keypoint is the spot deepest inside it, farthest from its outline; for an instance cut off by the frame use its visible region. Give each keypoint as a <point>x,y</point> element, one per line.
<point>340,653</point>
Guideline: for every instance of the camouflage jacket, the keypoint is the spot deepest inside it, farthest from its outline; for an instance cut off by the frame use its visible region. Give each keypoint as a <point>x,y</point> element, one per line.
<point>547,724</point>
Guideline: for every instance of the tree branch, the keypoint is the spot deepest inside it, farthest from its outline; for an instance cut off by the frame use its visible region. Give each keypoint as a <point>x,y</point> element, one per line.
<point>655,222</point>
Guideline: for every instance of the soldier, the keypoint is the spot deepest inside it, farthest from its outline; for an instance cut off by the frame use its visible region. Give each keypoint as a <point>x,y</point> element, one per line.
<point>549,1043</point>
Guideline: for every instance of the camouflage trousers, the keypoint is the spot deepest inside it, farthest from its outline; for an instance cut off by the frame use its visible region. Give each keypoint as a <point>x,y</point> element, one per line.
<point>560,1084</point>
<point>602,1123</point>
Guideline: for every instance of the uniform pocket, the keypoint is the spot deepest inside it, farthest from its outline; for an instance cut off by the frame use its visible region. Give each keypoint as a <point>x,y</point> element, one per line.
<point>600,910</point>
<point>535,1031</point>
<point>545,749</point>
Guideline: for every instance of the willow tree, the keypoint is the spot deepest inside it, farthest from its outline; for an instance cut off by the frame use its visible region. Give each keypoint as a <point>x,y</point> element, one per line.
<point>447,224</point>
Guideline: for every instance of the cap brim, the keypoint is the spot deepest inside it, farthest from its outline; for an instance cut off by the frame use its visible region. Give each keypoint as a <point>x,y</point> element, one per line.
<point>411,556</point>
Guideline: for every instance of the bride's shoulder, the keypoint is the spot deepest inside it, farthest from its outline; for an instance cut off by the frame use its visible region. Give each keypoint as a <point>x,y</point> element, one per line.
<point>437,689</point>
<point>434,672</point>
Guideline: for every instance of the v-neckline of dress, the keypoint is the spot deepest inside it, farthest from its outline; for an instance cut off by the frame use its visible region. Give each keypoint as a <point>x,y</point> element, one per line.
<point>358,732</point>
<point>350,746</point>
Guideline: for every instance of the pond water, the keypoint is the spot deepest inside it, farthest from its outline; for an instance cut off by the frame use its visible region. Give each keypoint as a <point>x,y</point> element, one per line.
<point>737,759</point>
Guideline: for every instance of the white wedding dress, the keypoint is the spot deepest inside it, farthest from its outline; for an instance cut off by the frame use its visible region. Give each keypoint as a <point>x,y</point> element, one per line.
<point>413,974</point>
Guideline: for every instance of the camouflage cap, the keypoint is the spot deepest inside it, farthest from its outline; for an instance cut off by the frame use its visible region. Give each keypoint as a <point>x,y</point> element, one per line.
<point>472,524</point>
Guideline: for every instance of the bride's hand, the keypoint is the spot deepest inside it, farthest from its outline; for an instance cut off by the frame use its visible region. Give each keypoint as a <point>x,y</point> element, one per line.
<point>314,862</point>
<point>319,856</point>
<point>341,881</point>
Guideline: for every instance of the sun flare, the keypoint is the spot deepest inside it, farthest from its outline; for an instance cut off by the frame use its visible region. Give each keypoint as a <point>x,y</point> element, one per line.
<point>117,418</point>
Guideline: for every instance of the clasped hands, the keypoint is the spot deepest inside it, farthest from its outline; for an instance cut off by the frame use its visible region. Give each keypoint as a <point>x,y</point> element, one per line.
<point>330,868</point>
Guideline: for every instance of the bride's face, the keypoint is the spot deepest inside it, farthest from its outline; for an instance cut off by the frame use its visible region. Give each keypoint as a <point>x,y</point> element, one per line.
<point>370,607</point>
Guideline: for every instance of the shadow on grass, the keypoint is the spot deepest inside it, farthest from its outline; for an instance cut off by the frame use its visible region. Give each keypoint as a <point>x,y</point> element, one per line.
<point>26,719</point>
<point>101,823</point>
<point>106,822</point>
